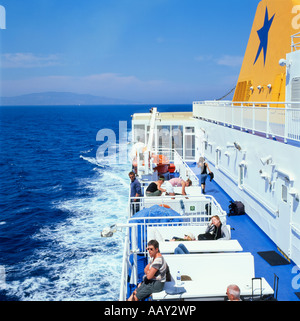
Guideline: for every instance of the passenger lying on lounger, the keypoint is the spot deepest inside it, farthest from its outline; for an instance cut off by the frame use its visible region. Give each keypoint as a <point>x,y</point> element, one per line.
<point>215,231</point>
<point>187,237</point>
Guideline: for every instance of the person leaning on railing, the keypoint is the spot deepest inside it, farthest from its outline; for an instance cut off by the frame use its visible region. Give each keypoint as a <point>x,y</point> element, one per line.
<point>135,191</point>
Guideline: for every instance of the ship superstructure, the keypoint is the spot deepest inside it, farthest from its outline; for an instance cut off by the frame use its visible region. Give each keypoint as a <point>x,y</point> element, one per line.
<point>253,142</point>
<point>252,145</point>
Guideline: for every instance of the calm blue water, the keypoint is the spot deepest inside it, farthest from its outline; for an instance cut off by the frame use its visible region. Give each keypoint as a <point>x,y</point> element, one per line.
<point>56,198</point>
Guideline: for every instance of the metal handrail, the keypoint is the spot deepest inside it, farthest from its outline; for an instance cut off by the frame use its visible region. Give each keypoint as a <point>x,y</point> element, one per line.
<point>295,46</point>
<point>124,274</point>
<point>273,121</point>
<point>165,200</point>
<point>141,224</point>
<point>262,104</point>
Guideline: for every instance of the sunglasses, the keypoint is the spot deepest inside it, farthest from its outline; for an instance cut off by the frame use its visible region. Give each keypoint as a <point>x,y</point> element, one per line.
<point>150,248</point>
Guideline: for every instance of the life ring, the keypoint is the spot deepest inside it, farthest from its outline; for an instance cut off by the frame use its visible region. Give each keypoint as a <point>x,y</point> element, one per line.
<point>165,205</point>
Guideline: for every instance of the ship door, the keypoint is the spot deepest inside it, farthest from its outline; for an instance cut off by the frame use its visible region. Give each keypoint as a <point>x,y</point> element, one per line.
<point>284,216</point>
<point>189,144</point>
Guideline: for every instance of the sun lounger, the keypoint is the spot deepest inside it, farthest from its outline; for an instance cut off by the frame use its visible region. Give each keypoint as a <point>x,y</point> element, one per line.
<point>210,275</point>
<point>162,233</point>
<point>202,246</point>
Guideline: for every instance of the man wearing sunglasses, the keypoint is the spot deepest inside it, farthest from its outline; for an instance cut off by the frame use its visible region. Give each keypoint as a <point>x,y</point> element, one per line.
<point>155,274</point>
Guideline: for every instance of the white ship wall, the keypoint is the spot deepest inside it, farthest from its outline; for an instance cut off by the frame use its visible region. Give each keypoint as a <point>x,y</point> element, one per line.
<point>269,191</point>
<point>293,76</point>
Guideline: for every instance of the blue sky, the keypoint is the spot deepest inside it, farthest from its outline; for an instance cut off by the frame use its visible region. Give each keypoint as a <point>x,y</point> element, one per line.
<point>149,51</point>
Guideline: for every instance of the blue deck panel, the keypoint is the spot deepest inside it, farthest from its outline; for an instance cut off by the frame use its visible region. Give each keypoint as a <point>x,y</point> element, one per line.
<point>253,240</point>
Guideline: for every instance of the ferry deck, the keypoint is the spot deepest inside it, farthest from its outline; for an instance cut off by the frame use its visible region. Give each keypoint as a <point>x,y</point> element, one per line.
<point>254,240</point>
<point>281,274</point>
<point>252,145</point>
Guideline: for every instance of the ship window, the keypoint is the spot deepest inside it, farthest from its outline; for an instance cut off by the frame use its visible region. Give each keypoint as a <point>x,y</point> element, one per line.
<point>139,133</point>
<point>177,139</point>
<point>154,137</point>
<point>189,141</point>
<point>284,193</point>
<point>189,130</point>
<point>190,147</point>
<point>164,137</point>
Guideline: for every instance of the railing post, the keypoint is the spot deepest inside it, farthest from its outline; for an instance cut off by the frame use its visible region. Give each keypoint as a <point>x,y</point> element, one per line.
<point>232,110</point>
<point>134,249</point>
<point>242,120</point>
<point>268,120</point>
<point>286,125</point>
<point>253,118</point>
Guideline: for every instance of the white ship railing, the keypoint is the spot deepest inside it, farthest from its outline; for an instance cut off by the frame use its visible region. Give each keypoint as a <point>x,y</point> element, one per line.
<point>273,119</point>
<point>193,205</point>
<point>184,170</point>
<point>125,268</point>
<point>183,221</point>
<point>136,233</point>
<point>295,45</point>
<point>173,156</point>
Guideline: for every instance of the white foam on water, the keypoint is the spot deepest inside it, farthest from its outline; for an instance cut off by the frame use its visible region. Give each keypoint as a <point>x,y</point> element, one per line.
<point>77,263</point>
<point>86,151</point>
<point>92,160</point>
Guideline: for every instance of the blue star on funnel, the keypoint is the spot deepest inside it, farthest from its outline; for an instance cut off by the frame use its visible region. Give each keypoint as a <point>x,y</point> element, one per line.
<point>263,35</point>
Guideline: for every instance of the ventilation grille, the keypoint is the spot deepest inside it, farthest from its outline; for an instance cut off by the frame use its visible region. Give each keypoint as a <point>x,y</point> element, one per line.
<point>295,94</point>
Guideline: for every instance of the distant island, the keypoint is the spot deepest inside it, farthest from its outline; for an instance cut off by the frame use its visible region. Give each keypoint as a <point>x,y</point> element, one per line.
<point>60,98</point>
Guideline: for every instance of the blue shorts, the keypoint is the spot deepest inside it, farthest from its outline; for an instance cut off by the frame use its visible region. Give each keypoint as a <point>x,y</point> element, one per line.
<point>203,178</point>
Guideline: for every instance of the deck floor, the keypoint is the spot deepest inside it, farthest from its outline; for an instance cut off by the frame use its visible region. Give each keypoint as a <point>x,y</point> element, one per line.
<point>253,240</point>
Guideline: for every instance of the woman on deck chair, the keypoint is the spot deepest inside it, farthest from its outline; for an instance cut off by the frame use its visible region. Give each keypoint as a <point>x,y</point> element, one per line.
<point>214,231</point>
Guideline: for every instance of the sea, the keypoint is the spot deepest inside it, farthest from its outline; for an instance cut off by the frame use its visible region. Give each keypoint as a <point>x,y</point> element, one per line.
<point>56,196</point>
